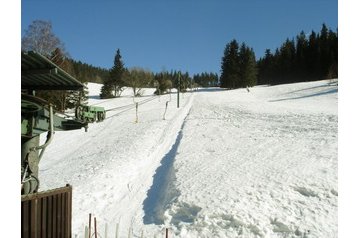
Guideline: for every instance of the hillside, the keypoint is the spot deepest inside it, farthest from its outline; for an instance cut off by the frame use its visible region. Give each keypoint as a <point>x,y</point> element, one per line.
<point>225,164</point>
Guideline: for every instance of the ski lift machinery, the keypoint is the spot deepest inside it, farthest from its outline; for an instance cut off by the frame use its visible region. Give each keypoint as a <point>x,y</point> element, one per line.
<point>38,116</point>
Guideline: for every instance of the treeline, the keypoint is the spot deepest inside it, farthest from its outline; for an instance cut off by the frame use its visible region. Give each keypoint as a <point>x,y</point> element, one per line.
<point>166,80</point>
<point>120,77</point>
<point>238,67</point>
<point>87,73</point>
<point>302,59</point>
<point>206,80</point>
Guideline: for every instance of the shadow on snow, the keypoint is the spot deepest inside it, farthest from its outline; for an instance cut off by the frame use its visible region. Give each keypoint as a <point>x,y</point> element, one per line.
<point>162,192</point>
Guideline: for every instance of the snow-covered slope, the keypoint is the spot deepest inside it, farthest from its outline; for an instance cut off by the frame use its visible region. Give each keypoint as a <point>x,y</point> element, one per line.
<point>225,164</point>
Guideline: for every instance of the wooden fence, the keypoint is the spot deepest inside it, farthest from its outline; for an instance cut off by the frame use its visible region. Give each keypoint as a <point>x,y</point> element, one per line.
<point>47,214</point>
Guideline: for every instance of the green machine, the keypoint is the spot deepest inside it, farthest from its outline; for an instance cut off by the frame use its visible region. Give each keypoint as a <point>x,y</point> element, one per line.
<point>90,113</point>
<point>38,116</point>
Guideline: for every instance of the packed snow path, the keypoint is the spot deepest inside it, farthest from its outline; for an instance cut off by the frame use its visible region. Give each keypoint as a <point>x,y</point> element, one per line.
<point>226,164</point>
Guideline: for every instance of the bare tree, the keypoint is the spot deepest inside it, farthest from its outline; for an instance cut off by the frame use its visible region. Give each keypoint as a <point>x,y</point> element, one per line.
<point>40,38</point>
<point>138,78</point>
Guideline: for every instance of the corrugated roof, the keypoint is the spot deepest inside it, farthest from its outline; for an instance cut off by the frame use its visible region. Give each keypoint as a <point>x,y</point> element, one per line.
<point>40,73</point>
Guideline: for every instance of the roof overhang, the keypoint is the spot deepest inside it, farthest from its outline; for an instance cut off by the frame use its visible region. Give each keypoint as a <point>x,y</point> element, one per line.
<point>40,73</point>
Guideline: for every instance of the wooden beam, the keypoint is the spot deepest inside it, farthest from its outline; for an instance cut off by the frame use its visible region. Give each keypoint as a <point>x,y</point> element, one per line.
<point>39,71</point>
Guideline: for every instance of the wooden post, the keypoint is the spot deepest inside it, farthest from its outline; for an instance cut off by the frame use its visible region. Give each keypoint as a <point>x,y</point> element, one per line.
<point>166,106</point>
<point>136,112</point>
<point>95,227</point>
<point>178,93</point>
<point>166,232</point>
<point>89,227</point>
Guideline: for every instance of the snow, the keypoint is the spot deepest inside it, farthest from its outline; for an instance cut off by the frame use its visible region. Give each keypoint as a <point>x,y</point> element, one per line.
<point>227,163</point>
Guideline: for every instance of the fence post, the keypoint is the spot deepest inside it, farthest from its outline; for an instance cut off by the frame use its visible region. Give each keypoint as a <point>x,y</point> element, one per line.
<point>136,112</point>
<point>166,233</point>
<point>166,106</point>
<point>95,227</point>
<point>89,229</point>
<point>178,93</point>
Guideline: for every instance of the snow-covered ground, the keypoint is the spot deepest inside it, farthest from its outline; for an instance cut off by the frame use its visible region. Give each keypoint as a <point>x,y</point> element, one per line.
<point>227,163</point>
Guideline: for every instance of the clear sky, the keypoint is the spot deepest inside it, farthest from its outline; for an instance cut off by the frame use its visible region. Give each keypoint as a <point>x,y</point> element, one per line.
<point>185,35</point>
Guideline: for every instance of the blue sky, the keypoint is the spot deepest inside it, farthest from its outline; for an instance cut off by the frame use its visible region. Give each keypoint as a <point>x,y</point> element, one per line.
<point>185,35</point>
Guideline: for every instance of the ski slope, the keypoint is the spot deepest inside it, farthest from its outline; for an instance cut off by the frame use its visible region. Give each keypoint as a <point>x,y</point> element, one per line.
<point>227,163</point>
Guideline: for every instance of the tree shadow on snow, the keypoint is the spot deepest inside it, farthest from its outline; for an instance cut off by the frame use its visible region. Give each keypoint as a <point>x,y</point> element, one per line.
<point>330,91</point>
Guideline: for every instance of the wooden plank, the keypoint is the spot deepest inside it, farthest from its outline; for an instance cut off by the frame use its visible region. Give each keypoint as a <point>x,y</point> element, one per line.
<point>54,208</point>
<point>65,233</point>
<point>69,218</point>
<point>49,217</point>
<point>33,218</point>
<point>63,218</point>
<point>58,217</point>
<point>44,217</point>
<point>25,219</point>
<point>38,217</point>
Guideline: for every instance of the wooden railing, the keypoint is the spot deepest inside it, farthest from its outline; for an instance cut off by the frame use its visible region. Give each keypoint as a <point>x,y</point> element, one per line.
<point>47,214</point>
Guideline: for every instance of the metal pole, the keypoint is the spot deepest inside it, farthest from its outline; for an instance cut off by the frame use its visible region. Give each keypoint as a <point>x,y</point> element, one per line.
<point>95,227</point>
<point>179,76</point>
<point>89,229</point>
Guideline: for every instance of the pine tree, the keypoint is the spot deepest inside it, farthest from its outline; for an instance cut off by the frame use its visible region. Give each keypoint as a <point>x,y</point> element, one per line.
<point>301,56</point>
<point>230,75</point>
<point>116,74</point>
<point>106,90</point>
<point>248,70</point>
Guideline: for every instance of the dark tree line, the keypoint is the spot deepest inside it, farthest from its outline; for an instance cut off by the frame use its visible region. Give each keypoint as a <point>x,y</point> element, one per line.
<point>304,59</point>
<point>238,66</point>
<point>206,79</point>
<point>87,73</point>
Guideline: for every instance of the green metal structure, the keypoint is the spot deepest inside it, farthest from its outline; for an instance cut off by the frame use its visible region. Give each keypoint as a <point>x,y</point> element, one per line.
<point>90,113</point>
<point>38,116</point>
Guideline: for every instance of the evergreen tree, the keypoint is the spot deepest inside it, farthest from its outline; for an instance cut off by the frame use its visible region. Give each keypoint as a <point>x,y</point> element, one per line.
<point>115,81</point>
<point>106,90</point>
<point>247,64</point>
<point>116,73</point>
<point>230,75</point>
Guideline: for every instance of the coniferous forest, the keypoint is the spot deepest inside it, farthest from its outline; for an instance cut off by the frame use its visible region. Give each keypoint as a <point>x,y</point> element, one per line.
<point>305,58</point>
